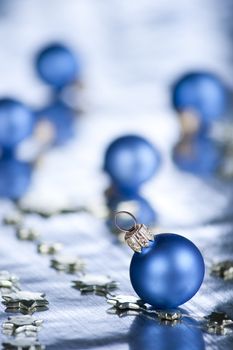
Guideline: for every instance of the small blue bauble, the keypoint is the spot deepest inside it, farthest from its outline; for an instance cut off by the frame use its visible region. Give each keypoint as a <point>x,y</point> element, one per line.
<point>200,156</point>
<point>15,177</point>
<point>62,119</point>
<point>139,206</point>
<point>16,122</point>
<point>130,161</point>
<point>201,92</point>
<point>57,65</point>
<point>168,272</point>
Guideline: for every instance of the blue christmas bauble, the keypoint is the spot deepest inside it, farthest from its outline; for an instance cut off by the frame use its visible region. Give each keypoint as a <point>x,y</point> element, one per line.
<point>16,122</point>
<point>130,161</point>
<point>138,206</point>
<point>201,92</point>
<point>15,178</point>
<point>62,119</point>
<point>149,334</point>
<point>57,65</point>
<point>200,156</point>
<point>168,272</point>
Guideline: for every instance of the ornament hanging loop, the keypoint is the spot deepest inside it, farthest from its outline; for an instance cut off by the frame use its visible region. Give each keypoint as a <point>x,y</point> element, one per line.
<point>133,227</point>
<point>138,236</point>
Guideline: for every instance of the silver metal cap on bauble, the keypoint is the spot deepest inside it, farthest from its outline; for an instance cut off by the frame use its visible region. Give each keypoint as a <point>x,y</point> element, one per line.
<point>138,236</point>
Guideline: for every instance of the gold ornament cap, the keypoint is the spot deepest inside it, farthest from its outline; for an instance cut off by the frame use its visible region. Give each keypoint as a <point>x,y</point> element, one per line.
<point>138,236</point>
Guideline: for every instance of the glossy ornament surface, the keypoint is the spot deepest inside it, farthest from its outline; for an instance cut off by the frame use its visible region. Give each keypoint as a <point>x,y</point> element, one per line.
<point>15,178</point>
<point>62,120</point>
<point>200,156</point>
<point>137,205</point>
<point>57,65</point>
<point>168,272</point>
<point>202,93</point>
<point>16,122</point>
<point>130,161</point>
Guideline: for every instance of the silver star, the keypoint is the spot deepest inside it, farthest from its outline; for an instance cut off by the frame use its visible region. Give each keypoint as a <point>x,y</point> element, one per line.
<point>13,219</point>
<point>217,323</point>
<point>95,283</point>
<point>7,287</point>
<point>125,305</point>
<point>223,269</point>
<point>125,302</point>
<point>123,312</point>
<point>128,305</point>
<point>5,275</point>
<point>69,264</point>
<point>45,213</point>
<point>27,234</point>
<point>50,211</point>
<point>23,343</point>
<point>169,317</point>
<point>20,307</point>
<point>47,248</point>
<point>25,302</point>
<point>8,283</point>
<point>21,324</point>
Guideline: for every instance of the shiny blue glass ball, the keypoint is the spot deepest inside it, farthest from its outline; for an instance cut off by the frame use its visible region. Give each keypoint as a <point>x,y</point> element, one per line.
<point>130,161</point>
<point>62,119</point>
<point>138,206</point>
<point>201,92</point>
<point>168,272</point>
<point>16,122</point>
<point>200,156</point>
<point>15,178</point>
<point>57,65</point>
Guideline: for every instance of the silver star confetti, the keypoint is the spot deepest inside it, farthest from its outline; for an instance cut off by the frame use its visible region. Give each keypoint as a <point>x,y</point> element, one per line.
<point>47,248</point>
<point>128,305</point>
<point>45,213</point>
<point>5,275</point>
<point>22,324</point>
<point>23,343</point>
<point>51,211</point>
<point>8,283</point>
<point>170,317</point>
<point>95,283</point>
<point>69,264</point>
<point>27,234</point>
<point>126,302</point>
<point>124,312</point>
<point>25,302</point>
<point>125,305</point>
<point>217,323</point>
<point>223,269</point>
<point>13,219</point>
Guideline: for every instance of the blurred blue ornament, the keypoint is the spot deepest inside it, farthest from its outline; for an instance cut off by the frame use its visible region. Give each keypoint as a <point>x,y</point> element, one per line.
<point>57,65</point>
<point>130,161</point>
<point>16,122</point>
<point>168,272</point>
<point>62,119</point>
<point>146,333</point>
<point>134,203</point>
<point>200,156</point>
<point>202,93</point>
<point>15,177</point>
